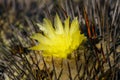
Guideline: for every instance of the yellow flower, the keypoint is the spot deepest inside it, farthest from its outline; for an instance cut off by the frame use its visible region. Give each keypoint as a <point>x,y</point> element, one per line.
<point>59,41</point>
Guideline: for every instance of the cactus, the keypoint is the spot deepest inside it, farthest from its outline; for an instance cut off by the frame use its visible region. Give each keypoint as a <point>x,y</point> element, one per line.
<point>97,59</point>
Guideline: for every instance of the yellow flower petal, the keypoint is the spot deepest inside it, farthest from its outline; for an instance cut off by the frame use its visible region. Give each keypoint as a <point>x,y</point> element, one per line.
<point>74,26</point>
<point>58,25</point>
<point>38,47</point>
<point>66,24</point>
<point>42,39</point>
<point>47,28</point>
